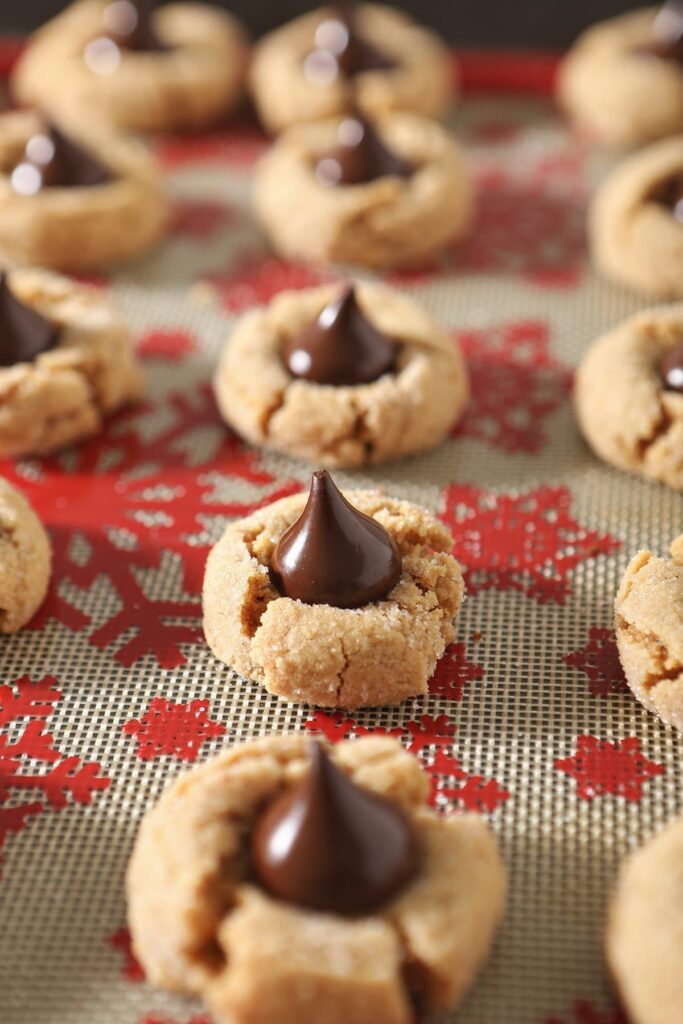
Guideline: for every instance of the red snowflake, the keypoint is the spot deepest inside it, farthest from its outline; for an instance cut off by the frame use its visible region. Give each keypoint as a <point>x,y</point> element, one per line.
<point>202,218</point>
<point>527,542</point>
<point>239,148</point>
<point>26,706</point>
<point>585,1013</point>
<point>172,346</point>
<point>601,768</point>
<point>255,280</point>
<point>599,659</point>
<point>179,730</point>
<point>131,969</point>
<point>453,673</point>
<point>119,495</point>
<point>516,384</point>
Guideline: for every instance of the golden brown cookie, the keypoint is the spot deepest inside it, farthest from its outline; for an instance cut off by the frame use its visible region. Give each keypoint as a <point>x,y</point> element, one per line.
<point>194,81</point>
<point>649,623</point>
<point>616,90</point>
<point>287,90</point>
<point>405,411</point>
<point>645,930</point>
<point>64,394</point>
<point>199,924</point>
<point>80,228</point>
<point>636,237</point>
<point>389,221</point>
<point>381,653</point>
<point>627,413</point>
<point>25,560</point>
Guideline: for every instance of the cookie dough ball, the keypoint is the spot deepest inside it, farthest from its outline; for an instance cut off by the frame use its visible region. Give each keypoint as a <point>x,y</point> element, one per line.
<point>25,560</point>
<point>202,924</point>
<point>635,221</point>
<point>190,80</point>
<point>295,77</point>
<point>626,396</point>
<point>383,221</point>
<point>65,392</point>
<point>79,228</point>
<point>345,657</point>
<point>410,408</point>
<point>649,622</point>
<point>645,930</point>
<point>622,83</point>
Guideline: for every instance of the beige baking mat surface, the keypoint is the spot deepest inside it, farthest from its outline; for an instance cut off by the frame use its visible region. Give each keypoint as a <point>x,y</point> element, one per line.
<point>112,693</point>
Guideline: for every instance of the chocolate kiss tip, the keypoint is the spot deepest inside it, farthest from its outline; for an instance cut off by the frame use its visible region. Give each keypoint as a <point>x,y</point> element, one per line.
<point>331,845</point>
<point>333,554</point>
<point>672,369</point>
<point>24,333</point>
<point>342,347</point>
<point>57,163</point>
<point>360,156</point>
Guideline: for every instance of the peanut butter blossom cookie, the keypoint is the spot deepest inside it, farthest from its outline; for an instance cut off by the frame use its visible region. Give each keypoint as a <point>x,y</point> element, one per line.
<point>623,80</point>
<point>66,362</point>
<point>287,882</point>
<point>25,559</point>
<point>181,67</point>
<point>636,221</point>
<point>332,600</point>
<point>343,375</point>
<point>75,197</point>
<point>649,623</point>
<point>345,55</point>
<point>379,193</point>
<point>629,395</point>
<point>645,930</point>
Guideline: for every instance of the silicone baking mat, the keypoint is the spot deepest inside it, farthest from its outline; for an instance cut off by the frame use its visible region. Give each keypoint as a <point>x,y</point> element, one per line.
<point>111,692</point>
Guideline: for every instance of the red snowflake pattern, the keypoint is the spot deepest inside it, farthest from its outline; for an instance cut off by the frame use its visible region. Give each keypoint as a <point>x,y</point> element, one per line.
<point>453,673</point>
<point>256,279</point>
<point>516,384</point>
<point>527,542</point>
<point>172,346</point>
<point>239,148</point>
<point>602,768</point>
<point>599,660</point>
<point>585,1013</point>
<point>131,969</point>
<point>202,219</point>
<point>26,706</point>
<point>177,730</point>
<point>118,495</point>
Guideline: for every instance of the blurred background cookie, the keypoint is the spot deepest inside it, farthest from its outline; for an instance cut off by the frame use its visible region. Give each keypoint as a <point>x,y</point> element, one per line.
<point>25,560</point>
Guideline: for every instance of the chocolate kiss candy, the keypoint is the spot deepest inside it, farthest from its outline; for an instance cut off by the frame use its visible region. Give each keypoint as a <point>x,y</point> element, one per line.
<point>667,33</point>
<point>128,24</point>
<point>670,194</point>
<point>672,369</point>
<point>333,554</point>
<point>332,846</point>
<point>51,160</point>
<point>339,50</point>
<point>341,347</point>
<point>24,333</point>
<point>360,156</point>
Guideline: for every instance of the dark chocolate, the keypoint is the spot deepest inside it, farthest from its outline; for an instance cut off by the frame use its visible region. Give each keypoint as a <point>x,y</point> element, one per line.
<point>128,23</point>
<point>333,554</point>
<point>341,51</point>
<point>669,193</point>
<point>331,845</point>
<point>51,160</point>
<point>672,369</point>
<point>666,42</point>
<point>24,333</point>
<point>359,156</point>
<point>341,347</point>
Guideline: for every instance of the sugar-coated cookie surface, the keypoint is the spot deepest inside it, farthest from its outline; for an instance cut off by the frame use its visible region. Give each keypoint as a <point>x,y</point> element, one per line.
<point>389,221</point>
<point>422,78</point>
<point>199,925</point>
<point>614,91</point>
<point>381,653</point>
<point>65,393</point>
<point>194,81</point>
<point>408,410</point>
<point>649,626</point>
<point>25,560</point>
<point>645,930</point>
<point>626,413</point>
